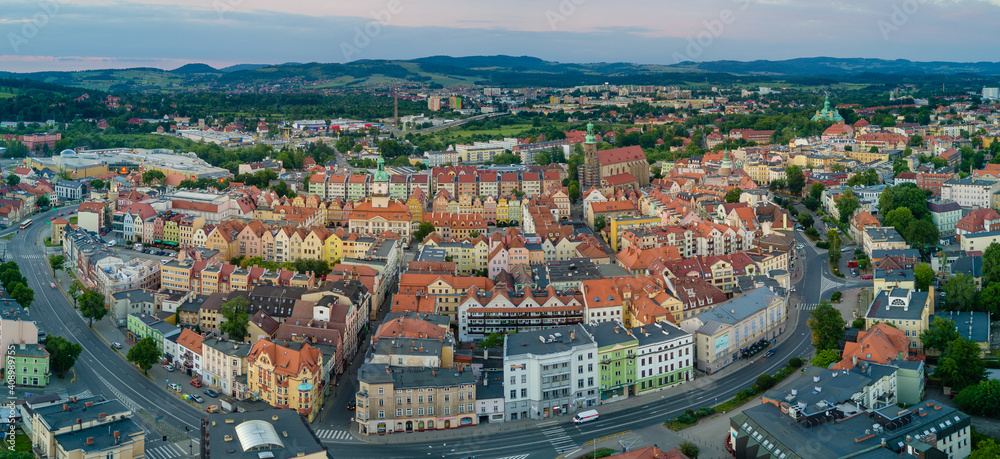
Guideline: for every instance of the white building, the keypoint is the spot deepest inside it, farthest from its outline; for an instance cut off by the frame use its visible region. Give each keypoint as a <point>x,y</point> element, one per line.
<point>991,93</point>
<point>723,334</point>
<point>970,192</point>
<point>549,372</point>
<point>665,356</point>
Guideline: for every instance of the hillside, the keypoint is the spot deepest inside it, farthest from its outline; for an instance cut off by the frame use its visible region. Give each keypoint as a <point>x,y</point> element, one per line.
<point>506,71</point>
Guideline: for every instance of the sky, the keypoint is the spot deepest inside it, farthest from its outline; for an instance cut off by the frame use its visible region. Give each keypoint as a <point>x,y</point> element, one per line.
<point>42,35</point>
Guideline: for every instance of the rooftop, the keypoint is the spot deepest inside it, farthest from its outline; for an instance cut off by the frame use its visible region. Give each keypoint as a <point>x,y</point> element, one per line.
<point>549,341</point>
<point>414,377</point>
<point>281,434</point>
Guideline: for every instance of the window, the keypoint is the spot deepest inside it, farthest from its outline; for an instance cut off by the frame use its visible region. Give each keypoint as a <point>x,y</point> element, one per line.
<point>399,412</point>
<point>409,411</point>
<point>513,394</point>
<point>430,399</point>
<point>381,390</point>
<point>420,411</point>
<point>381,414</point>
<point>524,392</point>
<point>381,402</point>
<point>430,410</point>
<point>447,410</point>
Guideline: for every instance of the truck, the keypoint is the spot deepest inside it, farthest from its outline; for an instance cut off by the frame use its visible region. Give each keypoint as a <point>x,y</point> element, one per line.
<point>585,416</point>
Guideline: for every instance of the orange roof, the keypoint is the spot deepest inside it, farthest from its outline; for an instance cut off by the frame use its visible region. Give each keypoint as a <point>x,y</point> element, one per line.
<point>190,340</point>
<point>416,303</point>
<point>881,344</point>
<point>409,328</point>
<point>286,361</point>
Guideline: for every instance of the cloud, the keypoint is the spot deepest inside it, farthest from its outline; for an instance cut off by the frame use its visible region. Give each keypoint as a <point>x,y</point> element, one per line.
<point>167,33</point>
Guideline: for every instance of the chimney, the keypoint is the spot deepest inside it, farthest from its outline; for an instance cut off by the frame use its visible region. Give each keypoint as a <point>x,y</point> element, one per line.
<point>572,335</point>
<point>90,440</point>
<point>387,370</point>
<point>66,407</point>
<point>102,415</point>
<point>89,404</point>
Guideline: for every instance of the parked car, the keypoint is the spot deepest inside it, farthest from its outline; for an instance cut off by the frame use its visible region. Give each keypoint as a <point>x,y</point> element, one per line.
<point>196,382</point>
<point>116,345</point>
<point>197,398</point>
<point>168,367</point>
<point>352,405</point>
<point>866,276</point>
<point>175,386</point>
<point>211,392</point>
<point>212,408</point>
<point>769,353</point>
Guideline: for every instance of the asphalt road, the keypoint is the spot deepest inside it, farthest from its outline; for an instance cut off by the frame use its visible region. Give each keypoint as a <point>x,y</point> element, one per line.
<point>104,371</point>
<point>99,368</point>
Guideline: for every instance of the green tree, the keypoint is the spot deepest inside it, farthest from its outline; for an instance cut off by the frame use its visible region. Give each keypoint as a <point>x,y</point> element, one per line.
<point>806,220</point>
<point>62,353</point>
<point>13,180</point>
<point>899,218</point>
<point>939,334</point>
<point>989,299</point>
<point>764,382</point>
<point>574,190</point>
<point>833,239</point>
<point>794,179</point>
<point>152,175</point>
<point>825,358</point>
<point>921,234</point>
<point>97,184</point>
<point>74,291</point>
<point>424,230</point>
<point>923,275</point>
<point>960,365</point>
<point>733,195</point>
<point>600,222</point>
<point>847,205</point>
<point>23,294</point>
<point>236,316</point>
<point>816,191</point>
<point>905,195</point>
<point>867,178</point>
<point>981,399</point>
<point>474,234</point>
<point>960,293</point>
<point>92,306</point>
<point>493,341</point>
<point>827,326</point>
<point>13,454</point>
<point>145,354</point>
<point>43,201</point>
<point>991,263</point>
<point>986,449</point>
<point>689,449</point>
<point>57,262</point>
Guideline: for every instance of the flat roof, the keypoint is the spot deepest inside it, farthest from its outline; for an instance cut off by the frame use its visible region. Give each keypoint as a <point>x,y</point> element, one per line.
<point>295,435</point>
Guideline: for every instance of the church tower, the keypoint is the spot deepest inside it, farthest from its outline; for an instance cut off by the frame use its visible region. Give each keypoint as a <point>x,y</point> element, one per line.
<point>113,195</point>
<point>380,186</point>
<point>727,164</point>
<point>590,170</point>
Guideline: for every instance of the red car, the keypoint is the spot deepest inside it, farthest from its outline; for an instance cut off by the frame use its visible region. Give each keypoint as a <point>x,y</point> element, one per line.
<point>196,383</point>
<point>866,276</point>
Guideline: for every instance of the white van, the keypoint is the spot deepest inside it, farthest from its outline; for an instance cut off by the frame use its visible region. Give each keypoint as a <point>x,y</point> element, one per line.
<point>585,416</point>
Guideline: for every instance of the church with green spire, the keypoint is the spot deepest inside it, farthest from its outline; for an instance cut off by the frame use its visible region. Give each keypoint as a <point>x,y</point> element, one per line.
<point>827,114</point>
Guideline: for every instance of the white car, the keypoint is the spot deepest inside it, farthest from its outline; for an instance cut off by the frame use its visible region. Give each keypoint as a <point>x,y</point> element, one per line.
<point>175,387</point>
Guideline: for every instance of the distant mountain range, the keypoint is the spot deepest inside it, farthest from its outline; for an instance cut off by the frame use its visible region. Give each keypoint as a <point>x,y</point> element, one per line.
<point>506,71</point>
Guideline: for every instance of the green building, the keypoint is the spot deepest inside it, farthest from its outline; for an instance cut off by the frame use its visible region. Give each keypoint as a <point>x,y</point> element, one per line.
<point>143,325</point>
<point>31,365</point>
<point>616,353</point>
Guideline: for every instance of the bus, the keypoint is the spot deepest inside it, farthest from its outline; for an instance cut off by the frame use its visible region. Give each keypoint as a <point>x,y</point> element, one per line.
<point>26,223</point>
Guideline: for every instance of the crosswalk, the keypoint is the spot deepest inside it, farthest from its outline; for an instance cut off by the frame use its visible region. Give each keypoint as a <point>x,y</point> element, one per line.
<point>165,451</point>
<point>330,434</point>
<point>808,306</point>
<point>557,436</point>
<point>31,256</point>
<point>519,456</point>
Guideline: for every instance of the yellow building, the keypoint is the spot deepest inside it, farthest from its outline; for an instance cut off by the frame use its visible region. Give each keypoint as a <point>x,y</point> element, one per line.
<point>286,377</point>
<point>868,156</point>
<point>905,309</point>
<point>622,224</point>
<point>332,248</point>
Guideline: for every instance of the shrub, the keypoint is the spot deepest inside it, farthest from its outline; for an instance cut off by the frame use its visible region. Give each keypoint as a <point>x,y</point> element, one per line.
<point>764,382</point>
<point>822,245</point>
<point>858,323</point>
<point>795,362</point>
<point>705,411</point>
<point>687,418</point>
<point>836,297</point>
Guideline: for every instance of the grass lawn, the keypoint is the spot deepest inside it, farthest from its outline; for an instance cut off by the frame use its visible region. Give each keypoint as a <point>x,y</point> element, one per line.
<point>676,425</point>
<point>22,442</point>
<point>73,220</point>
<point>48,243</point>
<point>8,237</point>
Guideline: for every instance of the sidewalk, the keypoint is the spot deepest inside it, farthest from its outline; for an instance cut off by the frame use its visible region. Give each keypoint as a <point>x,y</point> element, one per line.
<point>701,382</point>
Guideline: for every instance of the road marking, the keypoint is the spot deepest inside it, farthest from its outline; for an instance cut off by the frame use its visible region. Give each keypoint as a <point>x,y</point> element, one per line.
<point>167,451</point>
<point>330,434</point>
<point>520,456</point>
<point>559,440</point>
